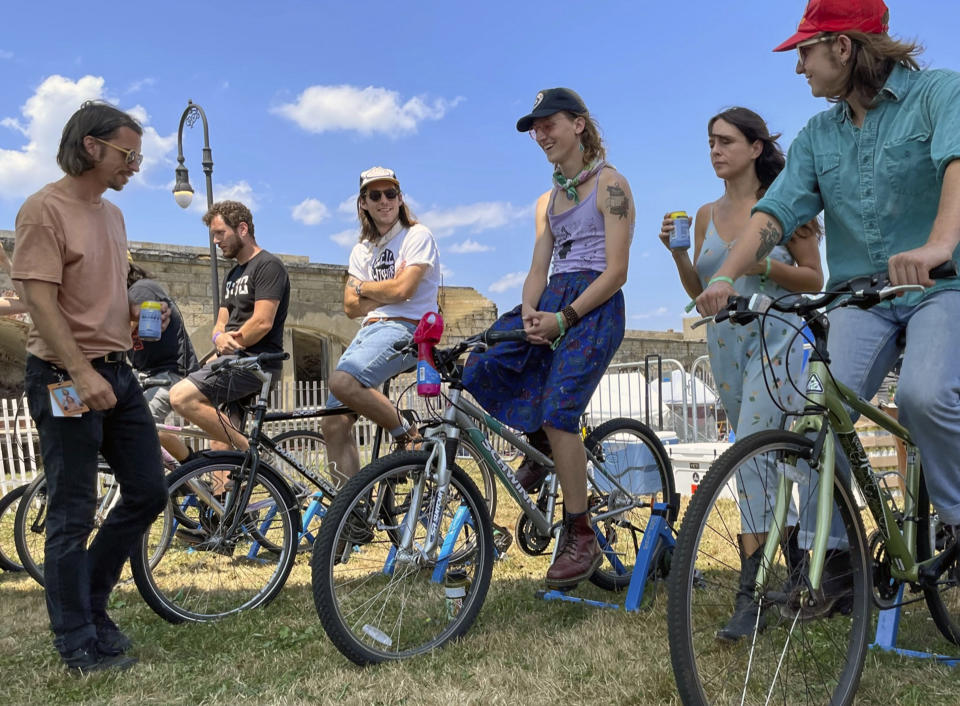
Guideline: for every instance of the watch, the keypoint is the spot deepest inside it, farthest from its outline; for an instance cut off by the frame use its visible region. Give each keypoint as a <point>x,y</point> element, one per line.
<point>357,289</point>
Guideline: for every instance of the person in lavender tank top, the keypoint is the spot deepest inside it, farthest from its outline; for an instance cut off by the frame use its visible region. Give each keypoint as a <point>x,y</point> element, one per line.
<point>574,318</point>
<point>748,159</point>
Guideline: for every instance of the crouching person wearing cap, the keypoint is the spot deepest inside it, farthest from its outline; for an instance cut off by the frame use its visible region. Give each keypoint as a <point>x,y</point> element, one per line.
<point>574,321</point>
<point>392,281</point>
<point>882,164</point>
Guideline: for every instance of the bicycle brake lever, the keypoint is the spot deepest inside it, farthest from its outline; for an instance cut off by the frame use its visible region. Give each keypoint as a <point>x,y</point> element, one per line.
<point>893,290</point>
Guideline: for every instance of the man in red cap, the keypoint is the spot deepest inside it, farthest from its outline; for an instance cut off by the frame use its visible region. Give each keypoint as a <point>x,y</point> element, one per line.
<point>882,164</point>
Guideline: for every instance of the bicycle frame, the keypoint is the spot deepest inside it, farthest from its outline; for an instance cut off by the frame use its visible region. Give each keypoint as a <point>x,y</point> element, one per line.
<point>831,396</point>
<point>461,415</point>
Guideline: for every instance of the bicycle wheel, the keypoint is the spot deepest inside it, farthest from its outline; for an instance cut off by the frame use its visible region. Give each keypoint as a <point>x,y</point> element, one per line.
<point>9,561</point>
<point>200,571</point>
<point>943,599</point>
<point>632,454</point>
<point>309,450</point>
<point>794,654</point>
<point>30,523</point>
<point>380,602</point>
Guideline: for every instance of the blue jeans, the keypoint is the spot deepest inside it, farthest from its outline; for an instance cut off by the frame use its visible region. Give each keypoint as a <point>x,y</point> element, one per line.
<point>79,579</point>
<point>865,345</point>
<point>371,358</point>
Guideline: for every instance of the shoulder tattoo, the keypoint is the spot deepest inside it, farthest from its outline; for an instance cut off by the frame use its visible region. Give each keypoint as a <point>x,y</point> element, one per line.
<point>617,202</point>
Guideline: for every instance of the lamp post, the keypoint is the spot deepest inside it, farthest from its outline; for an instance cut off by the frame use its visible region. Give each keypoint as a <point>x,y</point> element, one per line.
<point>183,192</point>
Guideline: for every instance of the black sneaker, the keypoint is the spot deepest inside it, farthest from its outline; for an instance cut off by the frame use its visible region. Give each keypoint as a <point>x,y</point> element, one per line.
<point>88,658</point>
<point>110,640</point>
<point>834,596</point>
<point>502,539</point>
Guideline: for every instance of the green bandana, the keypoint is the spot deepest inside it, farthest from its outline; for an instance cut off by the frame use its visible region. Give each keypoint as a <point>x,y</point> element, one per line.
<point>570,185</point>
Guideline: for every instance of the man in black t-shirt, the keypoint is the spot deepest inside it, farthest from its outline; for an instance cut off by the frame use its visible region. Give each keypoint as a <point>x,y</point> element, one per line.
<point>253,309</point>
<point>167,360</point>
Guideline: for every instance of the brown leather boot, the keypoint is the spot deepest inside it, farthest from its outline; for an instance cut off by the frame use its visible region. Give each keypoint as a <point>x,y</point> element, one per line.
<point>529,472</point>
<point>579,554</point>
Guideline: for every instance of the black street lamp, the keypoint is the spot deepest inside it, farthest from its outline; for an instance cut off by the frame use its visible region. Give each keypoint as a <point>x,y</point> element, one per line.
<point>183,192</point>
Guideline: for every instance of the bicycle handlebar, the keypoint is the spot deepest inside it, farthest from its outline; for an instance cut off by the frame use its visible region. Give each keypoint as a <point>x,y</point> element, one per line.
<point>863,292</point>
<point>247,361</point>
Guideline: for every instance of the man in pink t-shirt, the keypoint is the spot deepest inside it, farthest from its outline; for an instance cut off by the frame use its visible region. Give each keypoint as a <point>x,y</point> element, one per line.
<point>70,265</point>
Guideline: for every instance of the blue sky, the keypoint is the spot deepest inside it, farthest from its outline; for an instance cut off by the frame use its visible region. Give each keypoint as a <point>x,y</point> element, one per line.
<point>302,96</point>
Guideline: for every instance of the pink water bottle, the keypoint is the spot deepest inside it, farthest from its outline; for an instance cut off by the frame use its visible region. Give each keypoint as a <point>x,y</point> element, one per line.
<point>426,336</point>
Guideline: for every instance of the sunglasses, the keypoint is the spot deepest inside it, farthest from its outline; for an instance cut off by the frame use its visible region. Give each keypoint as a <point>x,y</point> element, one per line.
<point>390,194</point>
<point>804,47</point>
<point>131,157</point>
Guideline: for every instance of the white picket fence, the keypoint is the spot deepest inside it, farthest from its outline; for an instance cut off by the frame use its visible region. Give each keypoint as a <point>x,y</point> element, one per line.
<point>20,449</point>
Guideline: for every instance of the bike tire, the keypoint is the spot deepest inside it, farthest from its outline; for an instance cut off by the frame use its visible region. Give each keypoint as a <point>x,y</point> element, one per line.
<point>29,530</point>
<point>9,560</point>
<point>204,575</point>
<point>943,600</point>
<point>471,462</point>
<point>621,445</point>
<point>377,609</point>
<point>784,659</point>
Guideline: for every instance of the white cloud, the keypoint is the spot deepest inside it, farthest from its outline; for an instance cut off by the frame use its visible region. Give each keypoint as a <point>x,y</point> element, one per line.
<point>469,246</point>
<point>4,54</point>
<point>446,273</point>
<point>140,84</point>
<point>659,311</point>
<point>310,212</point>
<point>240,191</point>
<point>346,238</point>
<point>367,110</point>
<point>24,170</point>
<point>509,281</point>
<point>474,217</point>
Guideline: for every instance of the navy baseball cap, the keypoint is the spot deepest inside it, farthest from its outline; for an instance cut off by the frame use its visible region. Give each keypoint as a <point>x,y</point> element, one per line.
<point>550,101</point>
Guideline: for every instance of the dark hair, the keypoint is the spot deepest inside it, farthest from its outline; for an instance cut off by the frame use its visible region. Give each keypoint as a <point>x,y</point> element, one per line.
<point>771,160</point>
<point>233,214</point>
<point>368,229</point>
<point>135,274</point>
<point>872,58</point>
<point>96,119</point>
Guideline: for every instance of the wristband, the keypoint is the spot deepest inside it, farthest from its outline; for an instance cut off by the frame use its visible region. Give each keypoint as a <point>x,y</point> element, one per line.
<point>357,289</point>
<point>767,273</point>
<point>571,316</point>
<point>720,279</point>
<point>561,324</point>
<point>215,334</point>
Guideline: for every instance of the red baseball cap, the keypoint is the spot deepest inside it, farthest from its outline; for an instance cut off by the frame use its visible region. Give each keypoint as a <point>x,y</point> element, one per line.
<point>869,16</point>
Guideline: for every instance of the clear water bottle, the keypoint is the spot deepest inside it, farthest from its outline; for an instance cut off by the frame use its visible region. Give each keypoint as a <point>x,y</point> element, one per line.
<point>456,585</point>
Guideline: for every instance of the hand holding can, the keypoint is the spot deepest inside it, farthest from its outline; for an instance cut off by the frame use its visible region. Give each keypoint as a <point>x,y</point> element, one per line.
<point>680,237</point>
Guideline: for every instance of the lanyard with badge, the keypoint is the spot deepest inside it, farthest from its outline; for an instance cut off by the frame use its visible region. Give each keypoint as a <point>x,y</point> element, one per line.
<point>64,400</point>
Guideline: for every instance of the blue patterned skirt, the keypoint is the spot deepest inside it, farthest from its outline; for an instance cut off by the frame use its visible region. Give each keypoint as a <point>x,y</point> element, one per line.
<point>526,386</point>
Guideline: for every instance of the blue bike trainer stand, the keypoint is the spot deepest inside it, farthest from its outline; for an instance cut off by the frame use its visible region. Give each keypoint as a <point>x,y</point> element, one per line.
<point>656,538</point>
<point>888,625</point>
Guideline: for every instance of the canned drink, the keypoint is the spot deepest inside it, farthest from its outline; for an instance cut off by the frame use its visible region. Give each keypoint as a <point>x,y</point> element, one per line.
<point>455,584</point>
<point>680,237</point>
<point>150,328</point>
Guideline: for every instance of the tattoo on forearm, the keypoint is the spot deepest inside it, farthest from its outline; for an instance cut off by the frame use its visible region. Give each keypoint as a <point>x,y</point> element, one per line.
<point>617,202</point>
<point>770,235</point>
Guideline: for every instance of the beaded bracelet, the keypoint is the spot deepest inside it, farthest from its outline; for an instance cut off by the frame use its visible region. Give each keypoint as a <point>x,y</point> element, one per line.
<point>571,315</point>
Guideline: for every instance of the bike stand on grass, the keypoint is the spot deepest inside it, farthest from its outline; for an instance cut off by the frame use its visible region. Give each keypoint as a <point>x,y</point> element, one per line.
<point>652,557</point>
<point>888,625</point>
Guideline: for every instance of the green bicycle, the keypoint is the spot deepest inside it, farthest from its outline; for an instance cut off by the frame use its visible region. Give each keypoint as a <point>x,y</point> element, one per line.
<point>811,601</point>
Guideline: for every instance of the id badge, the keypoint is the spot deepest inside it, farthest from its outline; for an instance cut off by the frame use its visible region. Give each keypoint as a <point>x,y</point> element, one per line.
<point>64,401</point>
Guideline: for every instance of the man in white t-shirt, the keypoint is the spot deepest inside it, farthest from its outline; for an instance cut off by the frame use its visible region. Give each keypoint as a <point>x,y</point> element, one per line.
<point>392,281</point>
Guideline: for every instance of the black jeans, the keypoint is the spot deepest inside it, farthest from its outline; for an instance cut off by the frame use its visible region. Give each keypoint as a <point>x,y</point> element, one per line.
<point>79,579</point>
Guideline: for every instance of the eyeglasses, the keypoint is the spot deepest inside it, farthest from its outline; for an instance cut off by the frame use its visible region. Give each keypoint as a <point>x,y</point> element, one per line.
<point>131,157</point>
<point>802,46</point>
<point>390,194</point>
<point>541,129</point>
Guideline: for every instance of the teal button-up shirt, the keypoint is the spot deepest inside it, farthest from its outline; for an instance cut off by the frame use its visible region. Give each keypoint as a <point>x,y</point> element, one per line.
<point>878,185</point>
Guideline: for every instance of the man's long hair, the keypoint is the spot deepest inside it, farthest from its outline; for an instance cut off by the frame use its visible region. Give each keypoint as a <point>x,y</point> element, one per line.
<point>368,229</point>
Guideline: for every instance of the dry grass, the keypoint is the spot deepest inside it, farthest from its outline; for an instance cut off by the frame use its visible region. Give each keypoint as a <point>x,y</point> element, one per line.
<point>521,650</point>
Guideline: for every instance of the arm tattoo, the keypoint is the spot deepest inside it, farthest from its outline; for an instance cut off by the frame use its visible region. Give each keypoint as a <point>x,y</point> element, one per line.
<point>770,235</point>
<point>617,202</point>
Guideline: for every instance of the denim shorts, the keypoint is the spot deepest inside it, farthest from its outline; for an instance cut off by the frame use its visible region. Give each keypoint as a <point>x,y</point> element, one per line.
<point>371,358</point>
